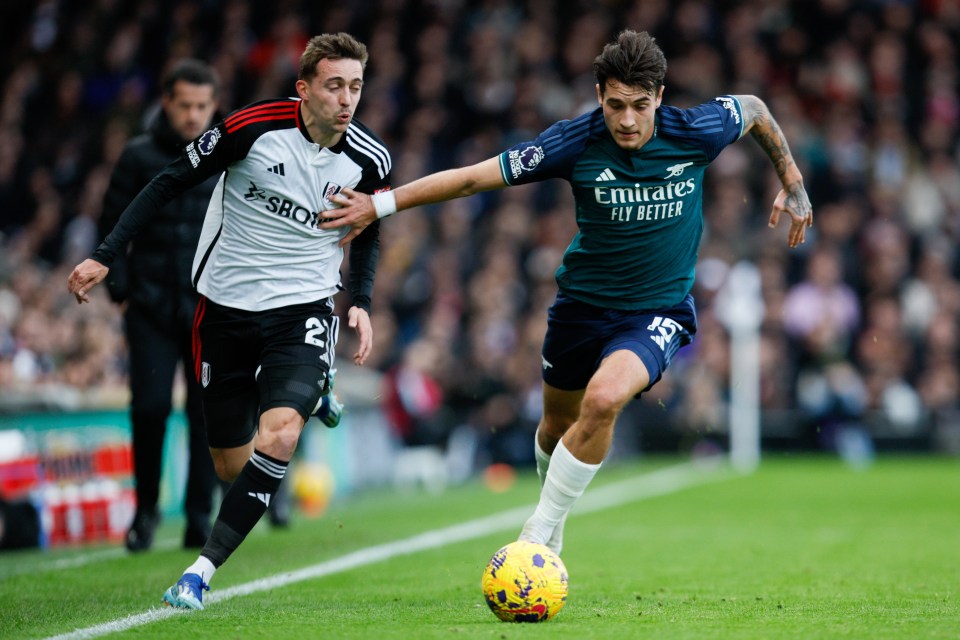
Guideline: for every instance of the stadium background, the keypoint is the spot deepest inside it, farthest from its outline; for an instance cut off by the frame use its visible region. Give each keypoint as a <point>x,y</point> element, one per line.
<point>859,341</point>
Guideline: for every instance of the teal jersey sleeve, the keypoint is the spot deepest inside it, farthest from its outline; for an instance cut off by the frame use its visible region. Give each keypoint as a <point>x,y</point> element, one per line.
<point>554,153</point>
<point>710,126</point>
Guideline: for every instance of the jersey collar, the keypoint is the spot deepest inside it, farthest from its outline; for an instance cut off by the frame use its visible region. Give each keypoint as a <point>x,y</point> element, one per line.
<point>301,125</point>
<point>337,148</point>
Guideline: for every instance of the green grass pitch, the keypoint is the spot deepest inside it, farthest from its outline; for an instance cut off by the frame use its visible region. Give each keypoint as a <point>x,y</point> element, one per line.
<point>806,547</point>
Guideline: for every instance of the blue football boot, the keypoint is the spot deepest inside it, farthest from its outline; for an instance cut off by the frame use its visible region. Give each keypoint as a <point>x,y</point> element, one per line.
<point>187,593</point>
<point>331,409</point>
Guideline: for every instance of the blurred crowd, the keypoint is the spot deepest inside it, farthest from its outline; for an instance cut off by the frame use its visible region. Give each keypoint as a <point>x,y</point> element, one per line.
<point>859,332</point>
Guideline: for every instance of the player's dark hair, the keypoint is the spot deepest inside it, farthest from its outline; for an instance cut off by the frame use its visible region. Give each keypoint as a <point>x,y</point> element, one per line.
<point>332,46</point>
<point>191,71</point>
<point>633,59</point>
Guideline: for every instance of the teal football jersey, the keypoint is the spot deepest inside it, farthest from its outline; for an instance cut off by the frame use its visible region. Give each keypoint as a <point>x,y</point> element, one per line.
<point>639,213</point>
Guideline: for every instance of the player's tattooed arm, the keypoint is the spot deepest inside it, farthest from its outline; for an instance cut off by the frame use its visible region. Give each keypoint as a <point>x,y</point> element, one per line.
<point>765,130</point>
<point>793,198</point>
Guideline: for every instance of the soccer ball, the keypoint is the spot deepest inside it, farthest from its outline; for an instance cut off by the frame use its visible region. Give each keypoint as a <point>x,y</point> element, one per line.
<point>525,582</point>
<point>313,485</point>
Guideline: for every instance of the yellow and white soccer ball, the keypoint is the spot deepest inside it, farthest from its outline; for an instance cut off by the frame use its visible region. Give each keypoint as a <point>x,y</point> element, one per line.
<point>525,582</point>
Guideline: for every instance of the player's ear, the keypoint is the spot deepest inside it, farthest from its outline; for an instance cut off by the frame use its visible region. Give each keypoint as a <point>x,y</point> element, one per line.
<point>599,94</point>
<point>660,96</point>
<point>302,88</point>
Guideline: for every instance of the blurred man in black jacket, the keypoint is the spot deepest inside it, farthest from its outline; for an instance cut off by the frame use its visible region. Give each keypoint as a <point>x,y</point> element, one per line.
<point>154,280</point>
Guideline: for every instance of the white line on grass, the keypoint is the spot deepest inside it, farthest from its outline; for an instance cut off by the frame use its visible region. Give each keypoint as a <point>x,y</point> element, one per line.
<point>89,557</point>
<point>651,485</point>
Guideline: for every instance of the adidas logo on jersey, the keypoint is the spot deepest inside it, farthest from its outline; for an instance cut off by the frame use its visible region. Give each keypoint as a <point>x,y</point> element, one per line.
<point>606,176</point>
<point>277,169</point>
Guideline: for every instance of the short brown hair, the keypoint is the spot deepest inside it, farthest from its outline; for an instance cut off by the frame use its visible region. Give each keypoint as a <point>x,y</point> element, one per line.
<point>633,59</point>
<point>332,46</point>
<point>191,71</point>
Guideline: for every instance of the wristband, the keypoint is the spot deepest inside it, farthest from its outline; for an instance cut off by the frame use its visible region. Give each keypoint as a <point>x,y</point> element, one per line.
<point>384,203</point>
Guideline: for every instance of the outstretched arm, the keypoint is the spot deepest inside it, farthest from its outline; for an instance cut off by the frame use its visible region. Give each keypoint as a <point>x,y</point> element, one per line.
<point>358,209</point>
<point>793,198</point>
<point>177,177</point>
<point>167,185</point>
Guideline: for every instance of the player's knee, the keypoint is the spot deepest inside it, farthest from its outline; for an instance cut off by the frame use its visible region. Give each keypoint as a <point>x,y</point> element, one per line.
<point>601,405</point>
<point>279,433</point>
<point>226,472</point>
<point>552,427</point>
<point>227,469</point>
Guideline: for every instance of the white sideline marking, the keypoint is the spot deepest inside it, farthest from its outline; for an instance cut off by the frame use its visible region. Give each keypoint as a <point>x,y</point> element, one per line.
<point>658,483</point>
<point>87,558</point>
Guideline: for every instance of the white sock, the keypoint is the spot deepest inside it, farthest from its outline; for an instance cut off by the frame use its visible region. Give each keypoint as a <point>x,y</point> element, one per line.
<point>543,463</point>
<point>566,481</point>
<point>543,459</point>
<point>203,568</point>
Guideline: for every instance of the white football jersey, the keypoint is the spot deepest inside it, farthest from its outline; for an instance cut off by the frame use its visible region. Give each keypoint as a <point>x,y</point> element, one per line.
<point>261,247</point>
